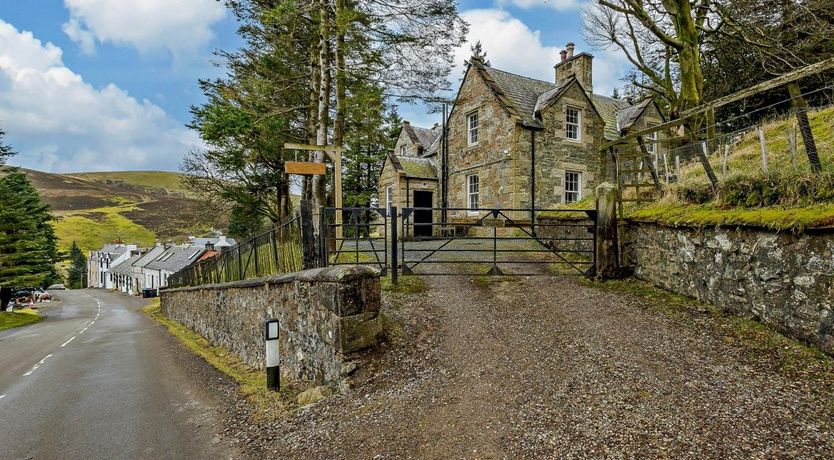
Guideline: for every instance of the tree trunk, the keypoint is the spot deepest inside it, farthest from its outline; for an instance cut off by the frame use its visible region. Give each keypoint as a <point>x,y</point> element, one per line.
<point>314,83</point>
<point>318,182</point>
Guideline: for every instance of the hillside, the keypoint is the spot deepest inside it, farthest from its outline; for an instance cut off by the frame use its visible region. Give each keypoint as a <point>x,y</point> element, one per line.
<point>96,208</point>
<point>787,197</point>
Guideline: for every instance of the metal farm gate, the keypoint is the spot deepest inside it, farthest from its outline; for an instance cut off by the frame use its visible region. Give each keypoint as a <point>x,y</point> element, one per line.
<point>461,241</point>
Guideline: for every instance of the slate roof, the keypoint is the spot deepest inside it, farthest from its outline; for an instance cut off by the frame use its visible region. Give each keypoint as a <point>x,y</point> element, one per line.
<point>608,108</point>
<point>523,97</point>
<point>176,258</point>
<point>126,267</point>
<point>424,137</point>
<point>418,168</point>
<point>521,93</point>
<point>216,241</point>
<point>114,250</point>
<point>628,116</point>
<point>149,256</point>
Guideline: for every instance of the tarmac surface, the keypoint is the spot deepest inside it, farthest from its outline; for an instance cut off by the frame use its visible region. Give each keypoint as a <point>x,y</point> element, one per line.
<point>98,379</point>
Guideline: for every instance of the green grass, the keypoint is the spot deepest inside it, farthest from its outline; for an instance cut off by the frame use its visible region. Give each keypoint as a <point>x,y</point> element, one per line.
<point>109,225</point>
<point>785,198</point>
<point>18,318</point>
<point>406,285</point>
<point>164,180</point>
<point>251,382</point>
<point>775,218</point>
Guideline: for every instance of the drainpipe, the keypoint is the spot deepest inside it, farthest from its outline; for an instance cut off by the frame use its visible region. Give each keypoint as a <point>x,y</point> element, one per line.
<point>533,181</point>
<point>444,171</point>
<point>407,200</point>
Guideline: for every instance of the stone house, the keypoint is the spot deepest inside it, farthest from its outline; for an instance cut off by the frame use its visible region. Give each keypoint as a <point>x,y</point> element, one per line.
<point>515,142</point>
<point>409,176</point>
<point>100,262</point>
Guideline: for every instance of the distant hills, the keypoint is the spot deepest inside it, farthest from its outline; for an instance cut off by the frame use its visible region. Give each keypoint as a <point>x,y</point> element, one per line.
<point>134,206</point>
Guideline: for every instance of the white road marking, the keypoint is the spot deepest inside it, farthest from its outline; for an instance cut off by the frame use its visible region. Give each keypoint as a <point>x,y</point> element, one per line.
<point>2,396</point>
<point>36,366</point>
<point>68,341</point>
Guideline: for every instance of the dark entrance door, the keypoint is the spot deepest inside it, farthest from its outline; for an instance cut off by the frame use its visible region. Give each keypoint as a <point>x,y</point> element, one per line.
<point>423,217</point>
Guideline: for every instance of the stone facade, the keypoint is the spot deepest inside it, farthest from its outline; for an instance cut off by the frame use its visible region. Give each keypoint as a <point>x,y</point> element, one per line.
<point>495,158</point>
<point>784,280</point>
<point>325,315</point>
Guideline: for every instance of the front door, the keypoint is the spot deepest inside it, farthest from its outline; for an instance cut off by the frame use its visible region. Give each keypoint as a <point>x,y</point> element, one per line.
<point>423,217</point>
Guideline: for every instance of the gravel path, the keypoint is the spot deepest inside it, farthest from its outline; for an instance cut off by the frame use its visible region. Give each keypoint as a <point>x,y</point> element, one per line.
<point>550,367</point>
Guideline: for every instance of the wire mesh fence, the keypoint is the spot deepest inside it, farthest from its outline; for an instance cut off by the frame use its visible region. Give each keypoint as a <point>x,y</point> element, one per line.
<point>273,252</point>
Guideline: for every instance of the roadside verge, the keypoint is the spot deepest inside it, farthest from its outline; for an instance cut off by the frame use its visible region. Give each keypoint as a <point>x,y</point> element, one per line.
<point>18,318</point>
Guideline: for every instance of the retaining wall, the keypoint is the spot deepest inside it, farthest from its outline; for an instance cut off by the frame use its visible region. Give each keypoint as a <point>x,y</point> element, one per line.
<point>325,316</point>
<point>781,279</point>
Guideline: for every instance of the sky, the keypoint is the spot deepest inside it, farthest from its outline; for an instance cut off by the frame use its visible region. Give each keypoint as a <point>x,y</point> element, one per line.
<point>106,85</point>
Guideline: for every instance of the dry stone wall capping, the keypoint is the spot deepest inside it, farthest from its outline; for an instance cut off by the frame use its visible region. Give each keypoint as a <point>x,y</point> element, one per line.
<point>326,315</point>
<point>784,280</point>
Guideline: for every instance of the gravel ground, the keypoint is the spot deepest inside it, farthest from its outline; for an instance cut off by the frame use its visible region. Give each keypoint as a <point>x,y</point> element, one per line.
<point>550,367</point>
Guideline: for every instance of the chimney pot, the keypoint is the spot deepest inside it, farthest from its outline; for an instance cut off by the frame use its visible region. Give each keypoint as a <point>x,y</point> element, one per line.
<point>564,55</point>
<point>570,47</point>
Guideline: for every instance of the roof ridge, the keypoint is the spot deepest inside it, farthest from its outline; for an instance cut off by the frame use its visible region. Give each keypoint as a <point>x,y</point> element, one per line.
<point>521,76</point>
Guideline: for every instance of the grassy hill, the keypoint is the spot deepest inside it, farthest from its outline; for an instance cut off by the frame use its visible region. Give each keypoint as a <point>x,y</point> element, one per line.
<point>786,197</point>
<point>93,209</point>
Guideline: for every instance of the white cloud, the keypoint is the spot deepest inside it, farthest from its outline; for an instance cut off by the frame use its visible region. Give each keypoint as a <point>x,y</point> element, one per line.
<point>512,46</point>
<point>559,5</point>
<point>147,25</point>
<point>58,122</point>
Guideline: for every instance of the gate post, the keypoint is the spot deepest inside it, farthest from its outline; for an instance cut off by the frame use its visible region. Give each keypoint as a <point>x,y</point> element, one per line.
<point>308,241</point>
<point>607,262</point>
<point>394,222</point>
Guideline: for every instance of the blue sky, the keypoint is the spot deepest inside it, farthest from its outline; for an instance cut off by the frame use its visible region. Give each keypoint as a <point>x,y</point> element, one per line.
<point>107,84</point>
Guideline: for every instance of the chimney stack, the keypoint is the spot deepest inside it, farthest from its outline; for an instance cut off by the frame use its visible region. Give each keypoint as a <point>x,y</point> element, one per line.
<point>579,66</point>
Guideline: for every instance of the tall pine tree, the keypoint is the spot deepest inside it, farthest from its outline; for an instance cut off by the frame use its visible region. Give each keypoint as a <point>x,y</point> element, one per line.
<point>77,274</point>
<point>28,247</point>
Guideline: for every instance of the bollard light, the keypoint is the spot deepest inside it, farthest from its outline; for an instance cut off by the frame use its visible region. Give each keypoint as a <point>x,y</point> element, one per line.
<point>273,370</point>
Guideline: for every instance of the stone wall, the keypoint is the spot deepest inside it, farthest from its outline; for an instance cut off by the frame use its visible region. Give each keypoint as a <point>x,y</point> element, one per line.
<point>555,154</point>
<point>567,233</point>
<point>325,316</point>
<point>784,280</point>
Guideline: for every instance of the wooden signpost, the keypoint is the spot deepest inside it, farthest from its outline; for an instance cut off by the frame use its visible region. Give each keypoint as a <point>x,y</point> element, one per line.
<point>305,168</point>
<point>310,168</point>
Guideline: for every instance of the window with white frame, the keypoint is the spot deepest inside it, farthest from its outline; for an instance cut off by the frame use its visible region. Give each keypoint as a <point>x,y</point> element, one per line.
<point>473,192</point>
<point>402,150</point>
<point>389,198</point>
<point>472,124</point>
<point>651,146</point>
<point>573,186</point>
<point>573,122</point>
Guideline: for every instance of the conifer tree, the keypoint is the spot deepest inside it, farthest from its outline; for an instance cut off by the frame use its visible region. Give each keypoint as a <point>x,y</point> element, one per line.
<point>28,247</point>
<point>77,274</point>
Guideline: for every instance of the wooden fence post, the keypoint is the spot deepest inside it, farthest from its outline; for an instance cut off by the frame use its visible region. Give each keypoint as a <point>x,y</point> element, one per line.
<point>308,240</point>
<point>805,126</point>
<point>792,142</point>
<point>764,148</point>
<point>724,155</point>
<point>607,260</point>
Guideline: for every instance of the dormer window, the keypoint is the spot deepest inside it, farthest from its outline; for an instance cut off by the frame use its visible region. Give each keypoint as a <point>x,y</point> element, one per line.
<point>472,125</point>
<point>573,122</point>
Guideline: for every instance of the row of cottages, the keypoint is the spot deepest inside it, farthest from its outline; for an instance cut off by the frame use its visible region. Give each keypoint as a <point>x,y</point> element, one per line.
<point>130,269</point>
<point>513,142</point>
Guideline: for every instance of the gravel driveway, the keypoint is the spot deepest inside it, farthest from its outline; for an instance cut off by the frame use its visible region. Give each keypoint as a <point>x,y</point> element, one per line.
<point>552,367</point>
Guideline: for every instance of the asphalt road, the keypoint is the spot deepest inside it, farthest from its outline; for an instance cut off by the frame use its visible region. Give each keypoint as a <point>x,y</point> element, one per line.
<point>98,379</point>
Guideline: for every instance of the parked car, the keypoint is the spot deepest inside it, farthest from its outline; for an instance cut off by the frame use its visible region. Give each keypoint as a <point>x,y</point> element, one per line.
<point>56,287</point>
